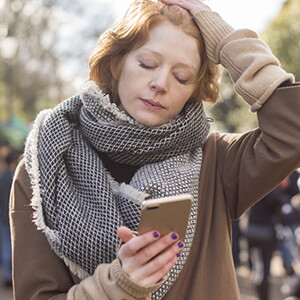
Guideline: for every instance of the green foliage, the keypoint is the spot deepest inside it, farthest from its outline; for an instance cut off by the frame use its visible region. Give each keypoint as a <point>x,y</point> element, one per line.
<point>283,37</point>
<point>231,113</point>
<point>54,40</point>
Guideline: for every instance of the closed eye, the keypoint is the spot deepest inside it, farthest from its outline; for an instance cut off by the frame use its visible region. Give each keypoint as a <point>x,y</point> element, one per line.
<point>145,66</point>
<point>182,81</point>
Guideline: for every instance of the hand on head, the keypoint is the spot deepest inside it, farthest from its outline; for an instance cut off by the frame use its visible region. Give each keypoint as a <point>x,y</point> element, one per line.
<point>193,6</point>
<point>148,257</point>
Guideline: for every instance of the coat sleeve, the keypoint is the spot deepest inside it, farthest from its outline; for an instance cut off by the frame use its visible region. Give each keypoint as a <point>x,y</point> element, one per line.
<point>253,163</point>
<point>39,274</point>
<point>255,71</point>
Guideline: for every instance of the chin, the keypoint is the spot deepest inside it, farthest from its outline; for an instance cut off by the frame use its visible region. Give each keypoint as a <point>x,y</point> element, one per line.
<point>150,119</point>
<point>150,123</point>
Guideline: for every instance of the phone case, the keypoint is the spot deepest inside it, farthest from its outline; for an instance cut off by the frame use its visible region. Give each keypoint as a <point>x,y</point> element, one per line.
<point>168,214</point>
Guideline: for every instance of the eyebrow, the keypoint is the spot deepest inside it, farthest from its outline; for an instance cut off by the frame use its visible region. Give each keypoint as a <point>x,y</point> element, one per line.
<point>180,64</point>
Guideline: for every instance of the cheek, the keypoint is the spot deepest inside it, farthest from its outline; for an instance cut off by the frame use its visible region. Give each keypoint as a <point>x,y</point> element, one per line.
<point>126,82</point>
<point>185,94</point>
<point>182,96</point>
<point>178,103</point>
<point>132,77</point>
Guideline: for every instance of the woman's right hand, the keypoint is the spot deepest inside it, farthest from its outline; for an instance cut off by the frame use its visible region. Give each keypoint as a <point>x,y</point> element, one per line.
<point>148,257</point>
<point>193,6</point>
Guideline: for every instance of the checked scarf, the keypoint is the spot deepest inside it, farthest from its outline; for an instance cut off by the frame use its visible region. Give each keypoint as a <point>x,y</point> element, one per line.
<point>77,202</point>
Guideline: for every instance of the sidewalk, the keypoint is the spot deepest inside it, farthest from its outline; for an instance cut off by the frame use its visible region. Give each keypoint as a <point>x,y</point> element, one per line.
<point>248,289</point>
<point>276,280</point>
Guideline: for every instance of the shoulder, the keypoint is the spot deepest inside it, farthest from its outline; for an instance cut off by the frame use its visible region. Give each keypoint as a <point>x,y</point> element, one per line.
<point>21,189</point>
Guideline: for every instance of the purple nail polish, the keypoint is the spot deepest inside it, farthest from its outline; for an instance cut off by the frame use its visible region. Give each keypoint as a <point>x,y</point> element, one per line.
<point>178,254</point>
<point>180,244</point>
<point>155,234</point>
<point>174,236</point>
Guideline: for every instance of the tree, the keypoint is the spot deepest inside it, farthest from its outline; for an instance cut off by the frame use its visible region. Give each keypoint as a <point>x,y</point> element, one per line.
<point>32,69</point>
<point>81,25</point>
<point>283,36</point>
<point>53,37</point>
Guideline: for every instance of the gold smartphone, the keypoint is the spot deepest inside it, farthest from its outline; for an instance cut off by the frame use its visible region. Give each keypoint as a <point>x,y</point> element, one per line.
<point>167,214</point>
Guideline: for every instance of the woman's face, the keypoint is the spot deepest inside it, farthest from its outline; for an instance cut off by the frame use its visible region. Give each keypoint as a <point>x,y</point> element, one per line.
<point>157,79</point>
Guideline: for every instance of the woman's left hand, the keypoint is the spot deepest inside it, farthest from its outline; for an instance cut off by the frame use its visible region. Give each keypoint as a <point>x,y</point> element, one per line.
<point>193,6</point>
<point>148,257</point>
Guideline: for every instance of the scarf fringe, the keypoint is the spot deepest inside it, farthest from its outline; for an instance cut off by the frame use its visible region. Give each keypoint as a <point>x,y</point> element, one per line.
<point>92,89</point>
<point>115,186</point>
<point>76,269</point>
<point>36,201</point>
<point>126,190</point>
<point>34,174</point>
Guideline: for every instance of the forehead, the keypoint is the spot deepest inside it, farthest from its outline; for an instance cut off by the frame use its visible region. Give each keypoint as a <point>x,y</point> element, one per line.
<point>172,42</point>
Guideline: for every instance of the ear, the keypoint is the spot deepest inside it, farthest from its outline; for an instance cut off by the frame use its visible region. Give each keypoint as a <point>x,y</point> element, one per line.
<point>113,61</point>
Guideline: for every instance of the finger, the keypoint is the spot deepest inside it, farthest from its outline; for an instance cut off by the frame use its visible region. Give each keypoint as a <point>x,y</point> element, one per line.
<point>148,253</point>
<point>135,244</point>
<point>175,2</point>
<point>190,5</point>
<point>154,270</point>
<point>135,254</point>
<point>125,234</point>
<point>157,276</point>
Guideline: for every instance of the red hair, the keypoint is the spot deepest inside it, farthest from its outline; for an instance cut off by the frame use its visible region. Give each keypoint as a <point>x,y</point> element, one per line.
<point>132,31</point>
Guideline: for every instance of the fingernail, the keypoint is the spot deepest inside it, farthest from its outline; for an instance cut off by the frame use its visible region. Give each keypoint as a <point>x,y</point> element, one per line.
<point>178,254</point>
<point>155,234</point>
<point>180,244</point>
<point>174,236</point>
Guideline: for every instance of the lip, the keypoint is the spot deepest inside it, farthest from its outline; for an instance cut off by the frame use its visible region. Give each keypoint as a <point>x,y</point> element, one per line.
<point>151,104</point>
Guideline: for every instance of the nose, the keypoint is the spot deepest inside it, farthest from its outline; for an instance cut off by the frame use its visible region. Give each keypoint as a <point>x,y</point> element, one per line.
<point>159,83</point>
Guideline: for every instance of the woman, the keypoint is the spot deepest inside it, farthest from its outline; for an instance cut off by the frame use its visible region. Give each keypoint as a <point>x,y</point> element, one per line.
<point>137,131</point>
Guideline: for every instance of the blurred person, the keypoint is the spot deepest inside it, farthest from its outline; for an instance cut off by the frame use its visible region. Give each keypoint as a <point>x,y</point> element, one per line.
<point>287,237</point>
<point>236,234</point>
<point>268,230</point>
<point>136,131</point>
<point>9,164</point>
<point>4,150</point>
<point>292,188</point>
<point>288,223</point>
<point>262,240</point>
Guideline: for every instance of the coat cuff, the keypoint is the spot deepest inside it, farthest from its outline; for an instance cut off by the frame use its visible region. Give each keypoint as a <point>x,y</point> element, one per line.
<point>253,68</point>
<point>130,287</point>
<point>213,29</point>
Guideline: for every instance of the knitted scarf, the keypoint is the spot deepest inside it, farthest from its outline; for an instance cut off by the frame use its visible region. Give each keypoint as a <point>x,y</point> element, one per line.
<point>77,202</point>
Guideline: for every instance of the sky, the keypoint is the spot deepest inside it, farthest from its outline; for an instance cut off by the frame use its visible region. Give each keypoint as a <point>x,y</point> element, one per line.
<point>251,14</point>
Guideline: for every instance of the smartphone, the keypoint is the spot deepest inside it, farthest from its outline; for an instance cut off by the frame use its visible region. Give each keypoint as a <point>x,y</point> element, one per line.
<point>167,214</point>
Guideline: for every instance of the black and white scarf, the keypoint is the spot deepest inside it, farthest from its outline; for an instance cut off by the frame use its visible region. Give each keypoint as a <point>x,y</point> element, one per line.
<point>77,202</point>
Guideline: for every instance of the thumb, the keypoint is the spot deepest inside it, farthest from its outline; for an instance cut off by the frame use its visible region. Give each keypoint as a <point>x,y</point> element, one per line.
<point>125,234</point>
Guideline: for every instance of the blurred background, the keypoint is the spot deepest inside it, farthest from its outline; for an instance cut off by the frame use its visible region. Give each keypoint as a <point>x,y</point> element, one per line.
<point>45,45</point>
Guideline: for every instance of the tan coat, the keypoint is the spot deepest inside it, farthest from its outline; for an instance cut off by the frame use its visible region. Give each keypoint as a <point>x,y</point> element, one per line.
<point>237,170</point>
